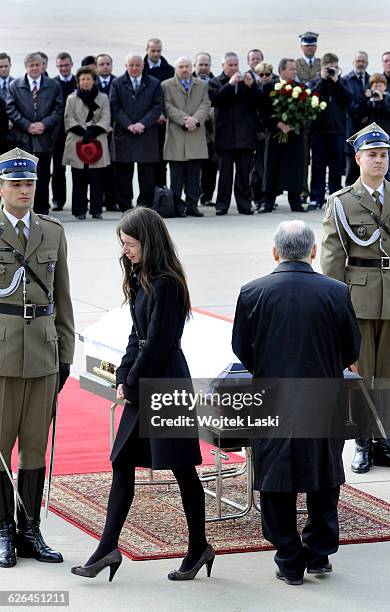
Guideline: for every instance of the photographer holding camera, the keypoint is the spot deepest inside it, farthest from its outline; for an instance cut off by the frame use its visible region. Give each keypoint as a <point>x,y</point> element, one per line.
<point>328,130</point>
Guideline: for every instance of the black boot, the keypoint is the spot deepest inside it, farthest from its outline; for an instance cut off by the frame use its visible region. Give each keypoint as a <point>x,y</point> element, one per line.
<point>381,452</point>
<point>29,540</point>
<point>362,460</point>
<point>7,523</point>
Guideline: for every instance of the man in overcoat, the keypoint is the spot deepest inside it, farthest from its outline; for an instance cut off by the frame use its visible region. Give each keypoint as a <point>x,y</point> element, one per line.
<point>136,104</point>
<point>35,108</point>
<point>187,107</point>
<point>355,250</point>
<point>297,324</point>
<point>36,350</point>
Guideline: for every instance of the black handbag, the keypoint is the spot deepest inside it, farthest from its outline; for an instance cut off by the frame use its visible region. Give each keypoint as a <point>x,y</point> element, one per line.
<point>164,203</point>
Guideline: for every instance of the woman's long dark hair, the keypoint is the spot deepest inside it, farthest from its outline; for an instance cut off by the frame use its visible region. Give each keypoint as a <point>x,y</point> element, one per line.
<point>158,258</point>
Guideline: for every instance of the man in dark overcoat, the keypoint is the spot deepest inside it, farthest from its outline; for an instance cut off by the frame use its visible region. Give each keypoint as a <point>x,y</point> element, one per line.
<point>136,104</point>
<point>295,324</point>
<point>235,98</point>
<point>35,107</point>
<point>283,161</point>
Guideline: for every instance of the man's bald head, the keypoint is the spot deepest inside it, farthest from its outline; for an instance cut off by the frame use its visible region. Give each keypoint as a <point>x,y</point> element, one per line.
<point>294,241</point>
<point>183,67</point>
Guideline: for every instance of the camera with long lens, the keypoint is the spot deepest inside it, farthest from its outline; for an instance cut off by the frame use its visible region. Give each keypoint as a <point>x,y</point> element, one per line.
<point>331,72</point>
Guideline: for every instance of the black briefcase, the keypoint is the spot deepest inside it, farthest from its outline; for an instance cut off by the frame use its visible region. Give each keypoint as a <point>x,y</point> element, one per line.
<point>164,203</point>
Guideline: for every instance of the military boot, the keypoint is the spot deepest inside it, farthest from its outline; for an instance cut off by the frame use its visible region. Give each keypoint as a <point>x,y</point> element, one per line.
<point>29,540</point>
<point>7,523</point>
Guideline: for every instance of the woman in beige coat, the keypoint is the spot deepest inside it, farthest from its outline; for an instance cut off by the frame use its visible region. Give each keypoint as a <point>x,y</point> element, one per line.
<point>87,120</point>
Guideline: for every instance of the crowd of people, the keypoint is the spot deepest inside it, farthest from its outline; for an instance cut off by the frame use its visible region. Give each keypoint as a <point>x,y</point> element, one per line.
<point>217,133</point>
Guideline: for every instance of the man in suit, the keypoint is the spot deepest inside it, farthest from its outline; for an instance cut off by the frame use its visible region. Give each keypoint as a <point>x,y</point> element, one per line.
<point>254,58</point>
<point>104,81</point>
<point>68,84</point>
<point>297,324</point>
<point>136,105</point>
<point>156,65</point>
<point>35,107</point>
<point>208,177</point>
<point>37,338</point>
<point>355,250</point>
<point>187,107</point>
<point>5,80</point>
<point>235,98</point>
<point>357,81</point>
<point>5,77</point>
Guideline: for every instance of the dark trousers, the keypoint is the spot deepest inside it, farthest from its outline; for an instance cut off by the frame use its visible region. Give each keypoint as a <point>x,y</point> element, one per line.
<point>161,166</point>
<point>123,173</point>
<point>208,178</point>
<point>257,173</point>
<point>58,179</point>
<point>294,199</point>
<point>41,200</point>
<point>81,178</point>
<point>109,183</point>
<point>320,535</point>
<point>327,151</point>
<point>186,176</point>
<point>241,160</point>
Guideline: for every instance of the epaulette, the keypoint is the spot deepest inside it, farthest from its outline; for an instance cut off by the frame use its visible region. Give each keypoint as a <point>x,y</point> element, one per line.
<point>48,218</point>
<point>343,190</point>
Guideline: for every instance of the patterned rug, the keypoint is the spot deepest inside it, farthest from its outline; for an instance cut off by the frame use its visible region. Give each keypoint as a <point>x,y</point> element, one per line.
<point>156,528</point>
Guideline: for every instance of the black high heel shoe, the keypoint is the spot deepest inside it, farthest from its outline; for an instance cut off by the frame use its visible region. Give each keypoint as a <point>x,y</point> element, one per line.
<point>206,559</point>
<point>112,560</point>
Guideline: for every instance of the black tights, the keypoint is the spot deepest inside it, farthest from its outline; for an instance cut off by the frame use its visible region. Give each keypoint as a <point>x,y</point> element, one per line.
<point>120,500</point>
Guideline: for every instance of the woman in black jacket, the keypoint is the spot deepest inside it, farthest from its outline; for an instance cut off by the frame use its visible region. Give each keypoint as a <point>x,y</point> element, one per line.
<point>155,287</point>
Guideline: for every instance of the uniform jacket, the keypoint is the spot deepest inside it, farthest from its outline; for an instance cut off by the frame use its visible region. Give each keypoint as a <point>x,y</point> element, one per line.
<point>34,348</point>
<point>180,144</point>
<point>369,287</point>
<point>295,323</point>
<point>76,113</point>
<point>235,113</point>
<point>128,107</point>
<point>307,73</point>
<point>21,112</point>
<point>160,321</point>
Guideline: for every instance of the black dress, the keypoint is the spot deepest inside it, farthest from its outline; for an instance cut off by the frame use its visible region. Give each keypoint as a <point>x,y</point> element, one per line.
<point>160,321</point>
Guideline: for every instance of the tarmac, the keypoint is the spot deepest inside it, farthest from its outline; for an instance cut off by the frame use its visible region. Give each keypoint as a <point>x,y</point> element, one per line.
<point>219,255</point>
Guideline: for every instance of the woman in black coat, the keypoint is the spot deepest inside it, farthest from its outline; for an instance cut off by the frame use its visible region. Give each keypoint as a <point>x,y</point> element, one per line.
<point>155,287</point>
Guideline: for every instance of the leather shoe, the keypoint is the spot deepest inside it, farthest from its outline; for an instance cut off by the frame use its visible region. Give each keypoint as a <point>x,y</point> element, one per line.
<point>99,216</point>
<point>246,211</point>
<point>265,210</point>
<point>325,569</point>
<point>193,211</point>
<point>293,581</point>
<point>362,460</point>
<point>299,209</point>
<point>381,453</point>
<point>57,207</point>
<point>219,213</point>
<point>7,544</point>
<point>81,217</point>
<point>31,545</point>
<point>181,214</point>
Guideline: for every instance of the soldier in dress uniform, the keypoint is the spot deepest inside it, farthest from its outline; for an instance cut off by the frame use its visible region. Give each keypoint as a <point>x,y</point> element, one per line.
<point>36,350</point>
<point>356,250</point>
<point>308,66</point>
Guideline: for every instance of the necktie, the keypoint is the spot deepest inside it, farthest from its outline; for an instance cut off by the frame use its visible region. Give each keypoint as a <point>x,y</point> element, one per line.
<point>135,85</point>
<point>34,92</point>
<point>186,85</point>
<point>376,196</point>
<point>361,83</point>
<point>20,225</point>
<point>310,62</point>
<point>104,84</point>
<point>4,86</point>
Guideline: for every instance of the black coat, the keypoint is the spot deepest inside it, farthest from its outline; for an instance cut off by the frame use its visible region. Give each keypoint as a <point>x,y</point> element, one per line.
<point>160,322</point>
<point>295,323</point>
<point>338,97</point>
<point>235,113</point>
<point>67,87</point>
<point>377,111</point>
<point>128,107</point>
<point>354,121</point>
<point>283,162</point>
<point>106,89</point>
<point>161,73</point>
<point>21,112</point>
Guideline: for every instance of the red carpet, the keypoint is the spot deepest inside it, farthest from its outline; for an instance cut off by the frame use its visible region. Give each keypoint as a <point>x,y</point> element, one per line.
<point>83,433</point>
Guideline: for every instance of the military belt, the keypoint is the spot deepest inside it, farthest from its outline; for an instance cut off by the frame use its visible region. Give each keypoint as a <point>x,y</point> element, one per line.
<point>28,311</point>
<point>382,262</point>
